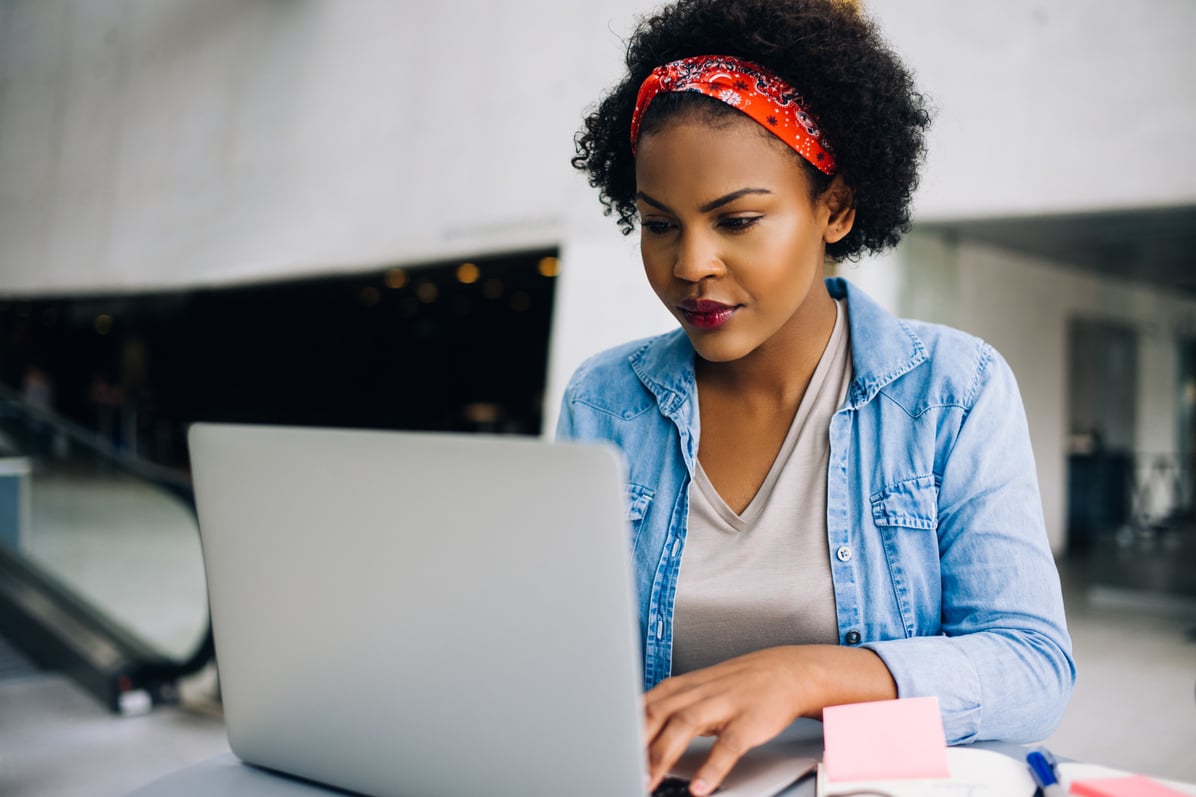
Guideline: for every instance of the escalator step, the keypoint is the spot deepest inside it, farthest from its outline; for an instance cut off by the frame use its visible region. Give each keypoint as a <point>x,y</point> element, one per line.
<point>14,664</point>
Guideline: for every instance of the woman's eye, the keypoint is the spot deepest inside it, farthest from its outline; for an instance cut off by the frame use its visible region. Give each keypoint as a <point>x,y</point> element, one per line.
<point>655,227</point>
<point>739,223</point>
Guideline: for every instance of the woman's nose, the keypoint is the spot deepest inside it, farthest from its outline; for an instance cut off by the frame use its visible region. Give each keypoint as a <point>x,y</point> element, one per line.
<point>697,258</point>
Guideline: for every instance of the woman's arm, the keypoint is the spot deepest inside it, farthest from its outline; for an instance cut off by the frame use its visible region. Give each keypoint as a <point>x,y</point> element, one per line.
<point>1002,668</point>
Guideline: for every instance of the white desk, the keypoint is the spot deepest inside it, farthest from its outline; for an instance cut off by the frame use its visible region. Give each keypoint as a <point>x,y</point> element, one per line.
<point>227,776</point>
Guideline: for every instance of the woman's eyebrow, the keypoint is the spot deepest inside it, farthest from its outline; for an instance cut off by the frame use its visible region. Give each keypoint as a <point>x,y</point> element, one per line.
<point>709,206</point>
<point>640,195</point>
<point>731,197</point>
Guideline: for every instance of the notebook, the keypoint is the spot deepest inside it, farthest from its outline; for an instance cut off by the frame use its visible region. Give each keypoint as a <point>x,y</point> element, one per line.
<point>415,613</point>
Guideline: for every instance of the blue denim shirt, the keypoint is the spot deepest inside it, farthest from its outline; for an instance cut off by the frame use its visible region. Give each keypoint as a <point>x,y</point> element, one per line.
<point>937,545</point>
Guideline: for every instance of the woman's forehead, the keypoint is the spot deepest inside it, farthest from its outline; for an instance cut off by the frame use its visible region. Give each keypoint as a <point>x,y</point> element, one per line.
<point>726,154</point>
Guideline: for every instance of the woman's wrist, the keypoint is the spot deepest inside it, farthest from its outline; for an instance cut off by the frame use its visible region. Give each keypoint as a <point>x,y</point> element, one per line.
<point>831,675</point>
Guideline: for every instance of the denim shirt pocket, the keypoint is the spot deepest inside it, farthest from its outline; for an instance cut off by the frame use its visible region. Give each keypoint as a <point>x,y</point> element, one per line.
<point>903,513</point>
<point>639,498</point>
<point>911,504</point>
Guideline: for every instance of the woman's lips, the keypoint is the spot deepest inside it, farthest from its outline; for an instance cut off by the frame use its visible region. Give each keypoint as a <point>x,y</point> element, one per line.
<point>706,314</point>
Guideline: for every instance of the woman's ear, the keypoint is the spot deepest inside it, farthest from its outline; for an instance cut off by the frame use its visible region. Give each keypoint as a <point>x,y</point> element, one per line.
<point>839,200</point>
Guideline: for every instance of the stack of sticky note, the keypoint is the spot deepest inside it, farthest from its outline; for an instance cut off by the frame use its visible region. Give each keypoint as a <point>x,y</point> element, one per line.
<point>886,739</point>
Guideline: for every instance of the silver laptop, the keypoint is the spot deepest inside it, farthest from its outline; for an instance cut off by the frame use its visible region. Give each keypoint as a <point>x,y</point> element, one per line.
<point>422,614</point>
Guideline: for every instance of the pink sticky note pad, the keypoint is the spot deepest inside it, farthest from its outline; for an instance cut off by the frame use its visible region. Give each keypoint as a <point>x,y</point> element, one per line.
<point>885,740</point>
<point>1127,786</point>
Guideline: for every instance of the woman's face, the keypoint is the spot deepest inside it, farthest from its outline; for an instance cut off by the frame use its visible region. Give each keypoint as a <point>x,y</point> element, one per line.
<point>733,242</point>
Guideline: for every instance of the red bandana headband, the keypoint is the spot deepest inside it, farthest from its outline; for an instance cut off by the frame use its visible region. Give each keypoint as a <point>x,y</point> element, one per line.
<point>746,87</point>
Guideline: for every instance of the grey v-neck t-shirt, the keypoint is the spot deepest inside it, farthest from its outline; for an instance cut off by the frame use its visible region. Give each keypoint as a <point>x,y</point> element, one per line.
<point>763,578</point>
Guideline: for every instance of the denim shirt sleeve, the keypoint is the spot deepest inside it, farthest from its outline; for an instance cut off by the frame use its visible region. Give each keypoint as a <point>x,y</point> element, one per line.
<point>1001,666</point>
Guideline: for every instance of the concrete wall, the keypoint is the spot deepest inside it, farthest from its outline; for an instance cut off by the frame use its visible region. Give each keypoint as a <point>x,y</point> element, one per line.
<point>148,143</point>
<point>1049,106</point>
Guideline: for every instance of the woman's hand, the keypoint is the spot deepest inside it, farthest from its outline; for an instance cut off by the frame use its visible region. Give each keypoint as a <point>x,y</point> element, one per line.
<point>748,700</point>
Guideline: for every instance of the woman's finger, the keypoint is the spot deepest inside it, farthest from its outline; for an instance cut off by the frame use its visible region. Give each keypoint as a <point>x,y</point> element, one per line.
<point>680,728</point>
<point>724,755</point>
<point>661,704</point>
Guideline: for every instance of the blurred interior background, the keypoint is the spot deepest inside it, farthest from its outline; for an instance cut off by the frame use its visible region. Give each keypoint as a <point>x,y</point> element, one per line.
<point>362,214</point>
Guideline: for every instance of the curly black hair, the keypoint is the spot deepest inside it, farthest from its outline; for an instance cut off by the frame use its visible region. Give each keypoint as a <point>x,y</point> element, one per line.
<point>862,96</point>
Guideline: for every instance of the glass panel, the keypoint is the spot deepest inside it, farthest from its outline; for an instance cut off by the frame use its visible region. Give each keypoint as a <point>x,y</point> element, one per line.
<point>123,543</point>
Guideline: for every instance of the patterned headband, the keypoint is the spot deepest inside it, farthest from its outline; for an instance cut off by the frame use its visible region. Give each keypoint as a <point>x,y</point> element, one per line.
<point>746,87</point>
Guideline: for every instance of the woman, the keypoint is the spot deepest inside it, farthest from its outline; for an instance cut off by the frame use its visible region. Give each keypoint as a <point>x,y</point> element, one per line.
<point>828,505</point>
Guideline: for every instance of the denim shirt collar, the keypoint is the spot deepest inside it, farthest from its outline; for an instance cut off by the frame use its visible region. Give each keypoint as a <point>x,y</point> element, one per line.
<point>883,348</point>
<point>665,366</point>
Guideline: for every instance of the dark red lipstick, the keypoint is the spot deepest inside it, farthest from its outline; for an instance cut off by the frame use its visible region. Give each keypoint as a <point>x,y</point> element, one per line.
<point>705,313</point>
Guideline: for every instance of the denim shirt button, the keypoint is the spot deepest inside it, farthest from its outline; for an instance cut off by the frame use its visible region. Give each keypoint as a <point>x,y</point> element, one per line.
<point>659,629</point>
<point>852,638</point>
<point>843,554</point>
<point>676,548</point>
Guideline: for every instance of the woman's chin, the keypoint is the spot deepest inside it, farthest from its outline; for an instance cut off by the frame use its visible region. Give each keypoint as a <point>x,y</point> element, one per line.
<point>722,350</point>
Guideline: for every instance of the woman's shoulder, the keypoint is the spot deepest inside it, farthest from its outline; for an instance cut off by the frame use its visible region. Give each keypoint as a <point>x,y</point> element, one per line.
<point>917,363</point>
<point>948,346</point>
<point>958,365</point>
<point>888,349</point>
<point>621,362</point>
<point>623,380</point>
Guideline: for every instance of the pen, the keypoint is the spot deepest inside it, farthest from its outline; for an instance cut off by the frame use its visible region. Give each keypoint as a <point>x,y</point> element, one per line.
<point>1042,768</point>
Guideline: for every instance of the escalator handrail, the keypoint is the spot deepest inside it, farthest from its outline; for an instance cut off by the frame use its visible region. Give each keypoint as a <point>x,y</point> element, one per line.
<point>176,482</point>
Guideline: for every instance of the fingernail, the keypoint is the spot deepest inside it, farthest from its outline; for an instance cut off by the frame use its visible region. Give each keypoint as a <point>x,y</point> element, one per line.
<point>699,787</point>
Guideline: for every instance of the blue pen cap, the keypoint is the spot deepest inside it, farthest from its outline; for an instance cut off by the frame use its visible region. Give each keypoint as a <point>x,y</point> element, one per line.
<point>1042,767</point>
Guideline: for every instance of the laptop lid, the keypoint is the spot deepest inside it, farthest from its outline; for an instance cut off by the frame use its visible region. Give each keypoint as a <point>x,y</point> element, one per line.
<point>410,613</point>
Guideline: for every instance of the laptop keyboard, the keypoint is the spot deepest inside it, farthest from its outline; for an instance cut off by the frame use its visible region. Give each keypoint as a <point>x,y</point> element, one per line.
<point>673,787</point>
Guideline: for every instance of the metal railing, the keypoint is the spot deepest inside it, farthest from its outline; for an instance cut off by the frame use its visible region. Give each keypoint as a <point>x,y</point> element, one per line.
<point>1162,493</point>
<point>57,625</point>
